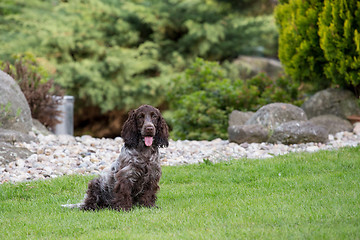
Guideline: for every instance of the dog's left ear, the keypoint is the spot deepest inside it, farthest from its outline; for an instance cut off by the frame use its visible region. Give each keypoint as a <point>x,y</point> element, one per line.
<point>162,133</point>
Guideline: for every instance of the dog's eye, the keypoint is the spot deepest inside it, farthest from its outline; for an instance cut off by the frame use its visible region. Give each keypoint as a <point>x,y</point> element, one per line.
<point>154,116</point>
<point>141,116</point>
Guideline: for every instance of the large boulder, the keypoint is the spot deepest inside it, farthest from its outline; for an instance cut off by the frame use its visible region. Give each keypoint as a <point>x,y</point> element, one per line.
<point>12,136</point>
<point>39,128</point>
<point>247,133</point>
<point>250,66</point>
<point>295,132</point>
<point>274,114</point>
<point>239,118</point>
<point>341,103</point>
<point>8,151</point>
<point>332,123</point>
<point>15,113</point>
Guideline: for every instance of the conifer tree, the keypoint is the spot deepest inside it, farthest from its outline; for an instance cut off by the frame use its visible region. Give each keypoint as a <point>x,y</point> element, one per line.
<point>319,41</point>
<point>339,30</point>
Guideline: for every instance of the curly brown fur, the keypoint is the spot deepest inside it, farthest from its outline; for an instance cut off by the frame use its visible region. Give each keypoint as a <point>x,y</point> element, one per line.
<point>134,176</point>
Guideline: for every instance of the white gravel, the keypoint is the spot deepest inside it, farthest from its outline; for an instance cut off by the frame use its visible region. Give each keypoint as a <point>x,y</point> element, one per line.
<point>65,155</point>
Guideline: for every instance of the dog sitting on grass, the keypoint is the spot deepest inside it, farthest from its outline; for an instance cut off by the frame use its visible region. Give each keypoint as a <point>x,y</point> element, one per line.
<point>134,177</point>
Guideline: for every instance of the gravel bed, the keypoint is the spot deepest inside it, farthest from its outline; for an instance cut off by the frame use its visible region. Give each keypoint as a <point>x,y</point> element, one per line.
<point>65,155</point>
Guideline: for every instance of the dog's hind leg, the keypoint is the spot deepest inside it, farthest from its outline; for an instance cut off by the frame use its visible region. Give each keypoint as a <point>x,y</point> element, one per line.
<point>94,198</point>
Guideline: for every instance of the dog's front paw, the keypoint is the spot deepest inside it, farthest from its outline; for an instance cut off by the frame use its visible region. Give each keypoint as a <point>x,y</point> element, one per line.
<point>123,208</point>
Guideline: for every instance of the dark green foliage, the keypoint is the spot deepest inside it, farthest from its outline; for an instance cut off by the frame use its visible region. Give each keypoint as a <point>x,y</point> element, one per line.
<point>39,91</point>
<point>203,98</point>
<point>119,54</point>
<point>319,42</point>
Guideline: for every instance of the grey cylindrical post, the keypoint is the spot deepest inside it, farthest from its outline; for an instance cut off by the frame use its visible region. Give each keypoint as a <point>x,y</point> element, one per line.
<point>67,116</point>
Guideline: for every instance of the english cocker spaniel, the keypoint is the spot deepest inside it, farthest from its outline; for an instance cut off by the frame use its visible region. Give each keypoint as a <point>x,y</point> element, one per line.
<point>134,177</point>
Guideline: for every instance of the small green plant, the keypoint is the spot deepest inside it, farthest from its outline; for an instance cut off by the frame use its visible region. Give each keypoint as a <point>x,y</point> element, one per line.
<point>202,99</point>
<point>206,161</point>
<point>18,112</point>
<point>5,114</point>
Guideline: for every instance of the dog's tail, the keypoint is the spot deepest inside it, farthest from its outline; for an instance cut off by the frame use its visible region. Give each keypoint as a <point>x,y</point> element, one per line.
<point>75,205</point>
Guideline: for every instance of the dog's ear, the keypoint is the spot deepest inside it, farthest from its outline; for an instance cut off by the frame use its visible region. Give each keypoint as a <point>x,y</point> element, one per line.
<point>162,133</point>
<point>130,132</point>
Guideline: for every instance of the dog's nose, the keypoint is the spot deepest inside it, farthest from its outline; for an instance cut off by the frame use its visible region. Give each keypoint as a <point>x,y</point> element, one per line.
<point>149,128</point>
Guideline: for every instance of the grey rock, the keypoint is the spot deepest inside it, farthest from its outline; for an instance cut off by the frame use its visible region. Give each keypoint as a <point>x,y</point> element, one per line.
<point>357,128</point>
<point>247,133</point>
<point>239,118</point>
<point>39,128</point>
<point>341,103</point>
<point>274,114</point>
<point>18,115</point>
<point>295,132</point>
<point>10,153</point>
<point>12,136</point>
<point>332,123</point>
<point>250,66</point>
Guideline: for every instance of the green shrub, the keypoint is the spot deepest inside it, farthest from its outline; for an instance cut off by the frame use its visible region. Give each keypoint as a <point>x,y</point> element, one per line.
<point>339,31</point>
<point>204,96</point>
<point>319,42</point>
<point>299,50</point>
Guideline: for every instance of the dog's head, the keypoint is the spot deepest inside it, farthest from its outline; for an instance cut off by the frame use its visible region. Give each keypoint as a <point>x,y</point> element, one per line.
<point>145,125</point>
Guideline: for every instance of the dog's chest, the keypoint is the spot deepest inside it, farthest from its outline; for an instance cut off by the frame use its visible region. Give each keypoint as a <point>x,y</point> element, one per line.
<point>139,167</point>
<point>145,171</point>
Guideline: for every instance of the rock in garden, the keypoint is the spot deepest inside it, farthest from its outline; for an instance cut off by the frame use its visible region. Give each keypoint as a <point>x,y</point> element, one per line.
<point>274,114</point>
<point>295,132</point>
<point>10,153</point>
<point>332,123</point>
<point>15,113</point>
<point>357,128</point>
<point>247,133</point>
<point>39,128</point>
<point>239,118</point>
<point>12,136</point>
<point>341,103</point>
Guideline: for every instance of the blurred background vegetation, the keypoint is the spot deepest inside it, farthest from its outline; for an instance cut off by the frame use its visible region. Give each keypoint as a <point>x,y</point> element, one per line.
<point>114,55</point>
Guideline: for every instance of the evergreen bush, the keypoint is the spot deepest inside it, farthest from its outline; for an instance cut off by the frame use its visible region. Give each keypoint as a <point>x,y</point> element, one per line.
<point>319,42</point>
<point>339,31</point>
<point>119,54</point>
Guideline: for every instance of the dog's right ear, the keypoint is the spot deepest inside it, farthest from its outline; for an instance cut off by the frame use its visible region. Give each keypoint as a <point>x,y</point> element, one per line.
<point>130,132</point>
<point>162,133</point>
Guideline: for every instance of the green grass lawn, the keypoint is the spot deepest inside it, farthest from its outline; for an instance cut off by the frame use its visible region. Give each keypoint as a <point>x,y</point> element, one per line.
<point>297,196</point>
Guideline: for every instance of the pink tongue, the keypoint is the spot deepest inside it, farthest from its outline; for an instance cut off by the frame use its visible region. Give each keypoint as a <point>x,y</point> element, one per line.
<point>148,141</point>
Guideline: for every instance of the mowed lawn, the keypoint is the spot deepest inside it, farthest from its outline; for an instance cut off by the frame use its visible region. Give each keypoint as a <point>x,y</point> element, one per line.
<point>296,196</point>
